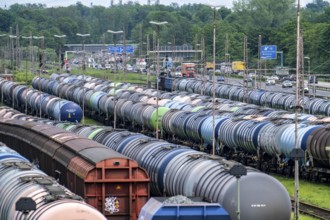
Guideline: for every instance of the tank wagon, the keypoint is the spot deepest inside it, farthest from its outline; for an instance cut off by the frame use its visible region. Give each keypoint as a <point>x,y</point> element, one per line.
<point>38,103</point>
<point>107,180</point>
<point>285,101</point>
<point>239,132</point>
<point>21,179</point>
<point>179,170</point>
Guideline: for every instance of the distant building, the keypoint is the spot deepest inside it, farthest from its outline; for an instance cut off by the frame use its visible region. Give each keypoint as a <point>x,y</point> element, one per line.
<point>179,53</point>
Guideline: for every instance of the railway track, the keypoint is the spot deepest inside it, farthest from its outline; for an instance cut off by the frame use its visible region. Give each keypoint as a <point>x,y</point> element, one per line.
<point>313,211</point>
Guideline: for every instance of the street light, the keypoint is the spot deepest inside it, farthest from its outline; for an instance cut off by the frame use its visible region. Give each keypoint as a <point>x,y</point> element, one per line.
<point>115,61</point>
<point>84,69</point>
<point>41,58</point>
<point>59,51</point>
<point>213,84</point>
<point>114,41</point>
<point>158,24</point>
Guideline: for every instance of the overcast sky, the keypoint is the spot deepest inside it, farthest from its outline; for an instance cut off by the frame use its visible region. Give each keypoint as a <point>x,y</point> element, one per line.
<point>106,3</point>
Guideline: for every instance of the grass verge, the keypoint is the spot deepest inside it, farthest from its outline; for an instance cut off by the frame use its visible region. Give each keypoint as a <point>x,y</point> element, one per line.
<point>312,193</point>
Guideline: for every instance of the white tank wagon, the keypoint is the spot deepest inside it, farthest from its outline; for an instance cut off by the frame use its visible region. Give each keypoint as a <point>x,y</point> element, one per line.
<point>21,179</point>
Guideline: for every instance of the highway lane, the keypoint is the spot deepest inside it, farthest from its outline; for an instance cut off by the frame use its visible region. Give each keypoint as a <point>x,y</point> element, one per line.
<point>320,92</point>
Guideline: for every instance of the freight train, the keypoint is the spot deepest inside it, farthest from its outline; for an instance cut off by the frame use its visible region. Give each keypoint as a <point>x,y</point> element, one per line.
<point>112,183</point>
<point>38,103</point>
<point>272,99</point>
<point>20,179</point>
<point>264,141</point>
<point>179,170</point>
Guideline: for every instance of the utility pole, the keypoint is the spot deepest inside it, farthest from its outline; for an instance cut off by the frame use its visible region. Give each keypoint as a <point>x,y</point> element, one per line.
<point>154,40</point>
<point>115,33</point>
<point>125,54</point>
<point>158,25</point>
<point>31,51</point>
<point>203,64</point>
<point>227,55</point>
<point>195,46</point>
<point>259,61</point>
<point>18,63</point>
<point>41,63</point>
<point>3,65</point>
<point>302,74</point>
<point>174,51</point>
<point>213,81</point>
<point>11,45</point>
<point>296,164</point>
<point>245,83</point>
<point>148,63</point>
<point>140,41</point>
<point>84,72</point>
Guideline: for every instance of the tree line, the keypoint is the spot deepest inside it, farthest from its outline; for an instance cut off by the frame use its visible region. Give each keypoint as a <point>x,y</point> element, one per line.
<point>274,20</point>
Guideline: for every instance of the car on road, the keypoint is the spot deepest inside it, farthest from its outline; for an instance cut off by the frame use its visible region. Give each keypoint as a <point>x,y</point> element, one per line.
<point>107,66</point>
<point>275,77</point>
<point>305,89</point>
<point>129,68</point>
<point>286,84</point>
<point>176,74</point>
<point>270,82</point>
<point>221,78</point>
<point>248,79</point>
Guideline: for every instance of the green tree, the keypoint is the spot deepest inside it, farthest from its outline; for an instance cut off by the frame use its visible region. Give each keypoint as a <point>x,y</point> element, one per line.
<point>6,19</point>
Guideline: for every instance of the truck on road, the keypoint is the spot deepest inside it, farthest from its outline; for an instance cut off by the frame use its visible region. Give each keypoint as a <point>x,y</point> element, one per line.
<point>188,69</point>
<point>238,66</point>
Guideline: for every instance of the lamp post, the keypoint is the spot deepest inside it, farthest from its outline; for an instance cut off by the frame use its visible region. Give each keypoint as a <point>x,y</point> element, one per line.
<point>41,57</point>
<point>114,42</point>
<point>158,25</point>
<point>213,84</point>
<point>238,170</point>
<point>115,60</point>
<point>59,50</point>
<point>83,69</point>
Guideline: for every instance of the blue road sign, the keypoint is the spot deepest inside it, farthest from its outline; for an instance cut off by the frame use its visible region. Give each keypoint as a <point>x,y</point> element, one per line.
<point>268,52</point>
<point>121,49</point>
